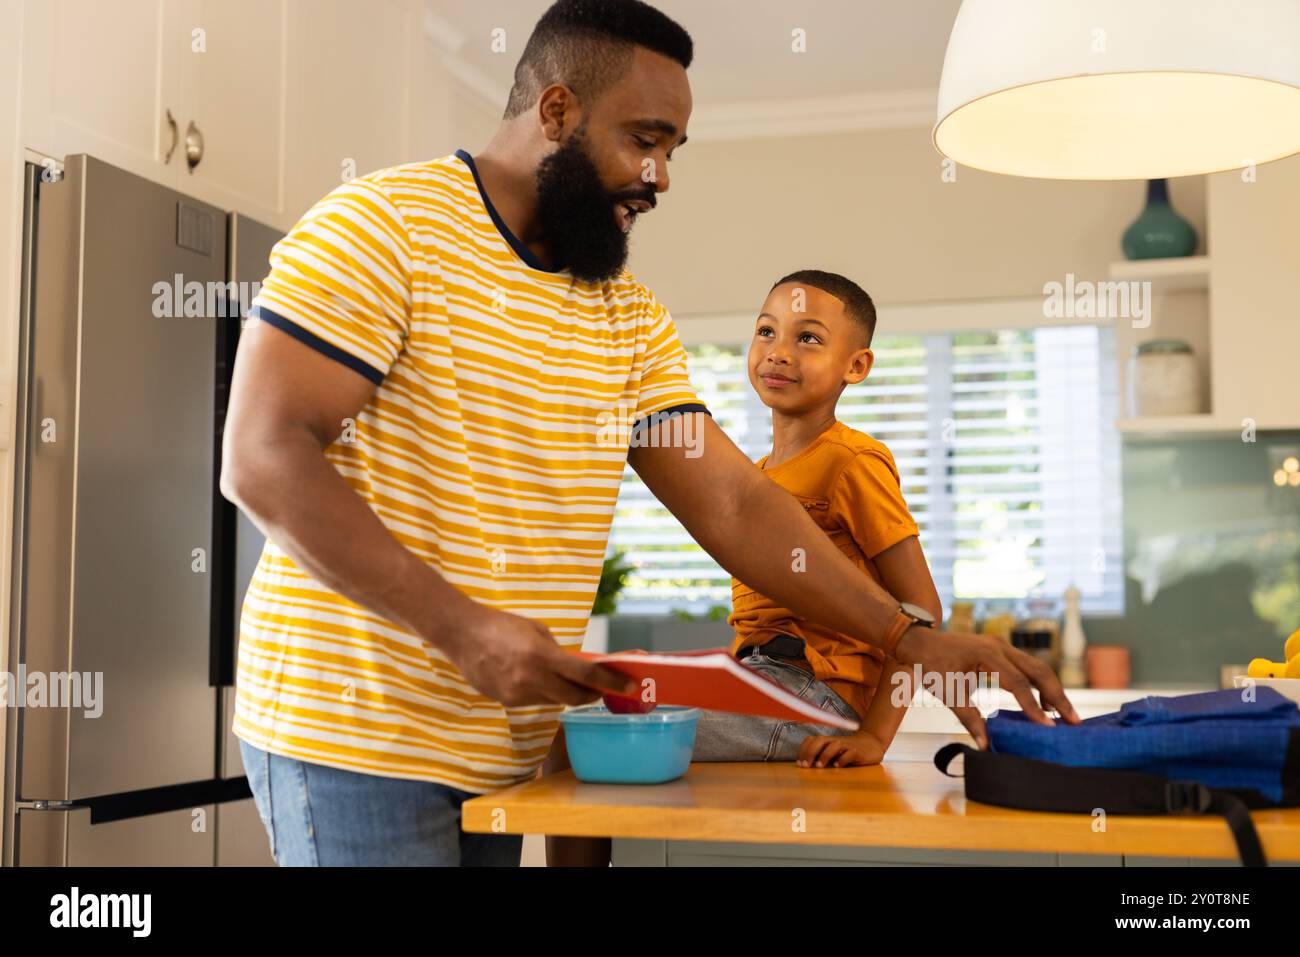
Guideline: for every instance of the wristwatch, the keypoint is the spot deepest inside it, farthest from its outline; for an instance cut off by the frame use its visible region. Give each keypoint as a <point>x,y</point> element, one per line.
<point>906,616</point>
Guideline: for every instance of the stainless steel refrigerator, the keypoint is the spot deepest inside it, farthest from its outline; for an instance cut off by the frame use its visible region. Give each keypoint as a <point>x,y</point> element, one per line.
<point>128,564</point>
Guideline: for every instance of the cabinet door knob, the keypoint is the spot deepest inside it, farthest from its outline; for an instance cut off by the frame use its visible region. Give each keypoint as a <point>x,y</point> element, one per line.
<point>171,122</point>
<point>193,146</point>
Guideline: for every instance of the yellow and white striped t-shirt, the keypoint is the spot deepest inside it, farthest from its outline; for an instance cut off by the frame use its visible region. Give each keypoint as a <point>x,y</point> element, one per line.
<point>493,448</point>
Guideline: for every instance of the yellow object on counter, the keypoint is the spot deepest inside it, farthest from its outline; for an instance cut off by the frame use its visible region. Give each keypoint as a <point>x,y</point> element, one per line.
<point>1263,668</point>
<point>1292,649</point>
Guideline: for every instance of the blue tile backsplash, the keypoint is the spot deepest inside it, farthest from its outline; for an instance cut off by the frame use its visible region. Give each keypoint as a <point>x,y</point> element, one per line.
<point>1211,554</point>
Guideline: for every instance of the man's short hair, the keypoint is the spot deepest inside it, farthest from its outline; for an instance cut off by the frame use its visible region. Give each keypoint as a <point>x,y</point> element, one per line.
<point>585,45</point>
<point>857,304</point>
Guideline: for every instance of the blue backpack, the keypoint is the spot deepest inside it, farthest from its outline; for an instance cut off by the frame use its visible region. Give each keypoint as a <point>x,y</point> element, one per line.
<point>1219,752</point>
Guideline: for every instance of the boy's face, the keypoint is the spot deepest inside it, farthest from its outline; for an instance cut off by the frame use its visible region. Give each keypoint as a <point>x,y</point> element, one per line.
<point>805,350</point>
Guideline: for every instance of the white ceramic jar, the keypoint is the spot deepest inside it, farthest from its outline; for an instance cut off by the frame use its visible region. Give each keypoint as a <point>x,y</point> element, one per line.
<point>1163,379</point>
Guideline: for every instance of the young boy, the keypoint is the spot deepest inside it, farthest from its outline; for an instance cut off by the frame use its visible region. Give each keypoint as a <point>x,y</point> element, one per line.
<point>812,339</point>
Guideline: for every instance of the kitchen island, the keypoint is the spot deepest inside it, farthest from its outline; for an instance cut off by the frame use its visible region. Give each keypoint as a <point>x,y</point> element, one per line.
<point>901,812</point>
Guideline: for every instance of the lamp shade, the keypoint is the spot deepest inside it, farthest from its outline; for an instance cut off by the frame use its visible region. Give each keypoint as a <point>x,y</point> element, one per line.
<point>1120,89</point>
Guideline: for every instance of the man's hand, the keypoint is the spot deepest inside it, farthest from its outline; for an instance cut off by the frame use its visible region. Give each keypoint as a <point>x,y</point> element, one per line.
<point>516,661</point>
<point>947,652</point>
<point>840,751</point>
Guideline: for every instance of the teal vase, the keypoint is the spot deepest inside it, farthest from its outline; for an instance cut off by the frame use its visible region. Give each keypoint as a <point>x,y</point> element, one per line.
<point>1159,232</point>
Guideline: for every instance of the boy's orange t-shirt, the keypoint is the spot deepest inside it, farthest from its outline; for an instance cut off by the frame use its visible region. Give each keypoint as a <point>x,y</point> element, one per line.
<point>849,485</point>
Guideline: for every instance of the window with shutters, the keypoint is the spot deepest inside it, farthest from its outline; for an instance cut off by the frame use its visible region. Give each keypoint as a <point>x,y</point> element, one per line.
<point>1006,445</point>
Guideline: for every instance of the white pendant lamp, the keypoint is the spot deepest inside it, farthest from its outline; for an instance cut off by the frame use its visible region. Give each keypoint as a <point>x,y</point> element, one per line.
<point>1120,89</point>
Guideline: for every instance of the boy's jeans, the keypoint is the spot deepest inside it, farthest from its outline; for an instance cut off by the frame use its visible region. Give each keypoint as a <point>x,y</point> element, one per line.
<point>320,816</point>
<point>721,736</point>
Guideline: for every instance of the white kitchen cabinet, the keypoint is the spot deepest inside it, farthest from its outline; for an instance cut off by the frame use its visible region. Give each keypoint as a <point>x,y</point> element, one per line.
<point>289,97</point>
<point>98,78</point>
<point>124,81</point>
<point>1178,310</point>
<point>1255,294</point>
<point>232,88</point>
<point>1239,307</point>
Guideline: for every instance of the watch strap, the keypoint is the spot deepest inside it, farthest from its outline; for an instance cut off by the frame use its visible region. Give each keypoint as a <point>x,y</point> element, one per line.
<point>902,621</point>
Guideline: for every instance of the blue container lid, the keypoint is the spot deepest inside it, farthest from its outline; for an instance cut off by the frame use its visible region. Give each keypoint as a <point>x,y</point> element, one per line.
<point>597,714</point>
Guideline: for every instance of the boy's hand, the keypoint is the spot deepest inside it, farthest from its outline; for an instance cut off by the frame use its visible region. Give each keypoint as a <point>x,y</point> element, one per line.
<point>840,751</point>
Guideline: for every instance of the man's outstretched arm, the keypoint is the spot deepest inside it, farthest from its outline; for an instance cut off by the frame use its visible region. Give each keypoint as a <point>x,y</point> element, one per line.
<point>753,527</point>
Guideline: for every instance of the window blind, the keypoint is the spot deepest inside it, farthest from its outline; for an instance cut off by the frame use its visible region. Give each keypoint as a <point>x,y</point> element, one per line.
<point>1007,449</point>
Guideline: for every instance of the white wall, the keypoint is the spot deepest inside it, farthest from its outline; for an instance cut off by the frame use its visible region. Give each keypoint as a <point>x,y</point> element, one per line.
<point>872,205</point>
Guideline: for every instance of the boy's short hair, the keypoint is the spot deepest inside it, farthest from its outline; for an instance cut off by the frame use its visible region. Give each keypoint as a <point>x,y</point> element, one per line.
<point>585,44</point>
<point>857,304</point>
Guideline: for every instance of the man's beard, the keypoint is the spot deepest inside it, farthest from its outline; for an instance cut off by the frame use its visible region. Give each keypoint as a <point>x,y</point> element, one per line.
<point>577,213</point>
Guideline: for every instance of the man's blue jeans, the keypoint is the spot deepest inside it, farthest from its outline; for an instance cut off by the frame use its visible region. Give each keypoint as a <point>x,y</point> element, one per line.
<point>320,816</point>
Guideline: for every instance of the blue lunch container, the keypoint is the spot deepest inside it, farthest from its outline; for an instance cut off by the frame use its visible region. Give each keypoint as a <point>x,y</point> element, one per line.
<point>608,748</point>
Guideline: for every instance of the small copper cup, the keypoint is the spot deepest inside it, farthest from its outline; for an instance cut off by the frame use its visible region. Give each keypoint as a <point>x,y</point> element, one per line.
<point>1108,666</point>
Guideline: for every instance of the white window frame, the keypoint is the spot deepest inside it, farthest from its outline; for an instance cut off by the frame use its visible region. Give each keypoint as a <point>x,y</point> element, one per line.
<point>937,321</point>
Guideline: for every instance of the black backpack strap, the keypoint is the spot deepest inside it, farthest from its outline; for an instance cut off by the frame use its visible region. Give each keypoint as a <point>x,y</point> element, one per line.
<point>1237,815</point>
<point>1008,780</point>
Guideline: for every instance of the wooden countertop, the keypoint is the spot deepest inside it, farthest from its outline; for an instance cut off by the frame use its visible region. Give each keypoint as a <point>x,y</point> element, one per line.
<point>905,802</point>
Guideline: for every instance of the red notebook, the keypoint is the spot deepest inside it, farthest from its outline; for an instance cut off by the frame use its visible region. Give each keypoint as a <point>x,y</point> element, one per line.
<point>714,680</point>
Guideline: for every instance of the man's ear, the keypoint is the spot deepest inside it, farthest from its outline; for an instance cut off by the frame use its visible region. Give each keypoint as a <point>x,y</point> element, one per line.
<point>860,366</point>
<point>557,111</point>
